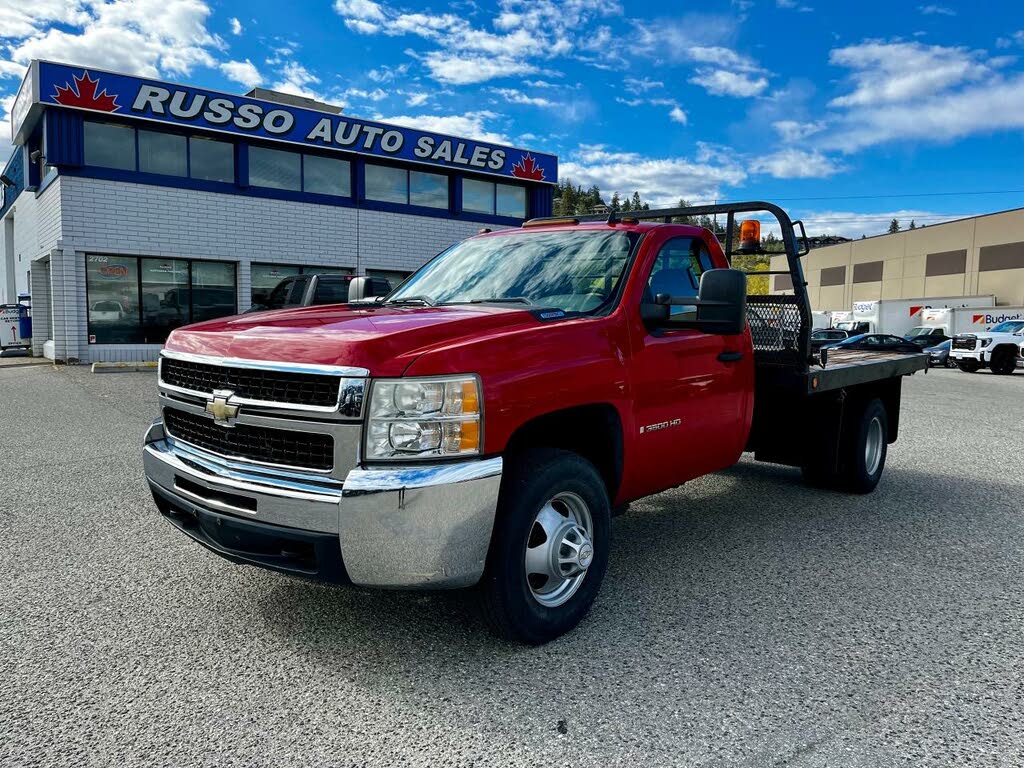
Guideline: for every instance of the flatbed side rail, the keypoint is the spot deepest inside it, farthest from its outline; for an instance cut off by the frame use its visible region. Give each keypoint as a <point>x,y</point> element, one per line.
<point>784,333</point>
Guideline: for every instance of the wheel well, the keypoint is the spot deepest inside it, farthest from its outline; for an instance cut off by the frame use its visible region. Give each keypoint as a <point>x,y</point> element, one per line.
<point>591,431</point>
<point>1013,349</point>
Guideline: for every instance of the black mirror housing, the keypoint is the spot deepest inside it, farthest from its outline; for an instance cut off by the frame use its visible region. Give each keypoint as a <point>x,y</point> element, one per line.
<point>721,305</point>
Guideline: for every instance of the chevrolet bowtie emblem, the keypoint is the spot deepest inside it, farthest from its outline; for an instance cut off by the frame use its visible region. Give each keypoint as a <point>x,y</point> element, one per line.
<point>223,412</point>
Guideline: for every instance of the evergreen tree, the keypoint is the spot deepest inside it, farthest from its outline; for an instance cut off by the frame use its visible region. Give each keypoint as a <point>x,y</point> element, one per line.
<point>894,226</point>
<point>616,204</point>
<point>637,205</point>
<point>913,224</point>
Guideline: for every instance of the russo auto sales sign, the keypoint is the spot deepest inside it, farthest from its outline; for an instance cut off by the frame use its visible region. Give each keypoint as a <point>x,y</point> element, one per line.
<point>120,95</point>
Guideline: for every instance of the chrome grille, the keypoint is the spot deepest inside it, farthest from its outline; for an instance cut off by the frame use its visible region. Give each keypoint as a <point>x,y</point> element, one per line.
<point>965,342</point>
<point>267,445</point>
<point>252,383</point>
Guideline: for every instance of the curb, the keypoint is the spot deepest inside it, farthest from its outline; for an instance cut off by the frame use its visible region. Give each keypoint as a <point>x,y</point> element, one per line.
<point>122,367</point>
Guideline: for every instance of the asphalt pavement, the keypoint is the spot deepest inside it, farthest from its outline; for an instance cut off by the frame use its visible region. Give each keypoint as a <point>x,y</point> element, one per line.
<point>745,619</point>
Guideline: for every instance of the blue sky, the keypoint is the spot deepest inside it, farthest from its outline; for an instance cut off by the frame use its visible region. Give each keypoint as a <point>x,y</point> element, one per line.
<point>848,113</point>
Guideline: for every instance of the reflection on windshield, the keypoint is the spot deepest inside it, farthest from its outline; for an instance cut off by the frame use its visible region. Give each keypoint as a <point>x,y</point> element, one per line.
<point>574,271</point>
<point>1008,327</point>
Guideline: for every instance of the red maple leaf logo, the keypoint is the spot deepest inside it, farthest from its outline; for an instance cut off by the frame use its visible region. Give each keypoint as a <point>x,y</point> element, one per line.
<point>83,94</point>
<point>527,168</point>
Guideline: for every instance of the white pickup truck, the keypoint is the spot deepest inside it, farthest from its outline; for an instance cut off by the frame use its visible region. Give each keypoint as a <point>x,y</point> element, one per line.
<point>998,348</point>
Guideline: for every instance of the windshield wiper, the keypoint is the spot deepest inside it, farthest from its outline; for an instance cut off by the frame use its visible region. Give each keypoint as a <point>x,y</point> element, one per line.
<point>424,300</point>
<point>502,300</point>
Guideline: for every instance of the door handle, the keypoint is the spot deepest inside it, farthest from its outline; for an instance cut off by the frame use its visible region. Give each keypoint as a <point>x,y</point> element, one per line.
<point>730,356</point>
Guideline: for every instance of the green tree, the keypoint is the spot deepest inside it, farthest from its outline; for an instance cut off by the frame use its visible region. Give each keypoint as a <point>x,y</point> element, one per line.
<point>616,204</point>
<point>637,204</point>
<point>913,224</point>
<point>894,226</point>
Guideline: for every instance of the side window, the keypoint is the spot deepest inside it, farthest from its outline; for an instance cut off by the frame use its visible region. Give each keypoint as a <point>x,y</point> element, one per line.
<point>278,296</point>
<point>331,291</point>
<point>298,292</point>
<point>677,270</point>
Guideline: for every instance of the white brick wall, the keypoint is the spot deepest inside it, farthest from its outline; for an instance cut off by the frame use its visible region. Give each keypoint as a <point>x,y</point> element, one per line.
<point>76,216</point>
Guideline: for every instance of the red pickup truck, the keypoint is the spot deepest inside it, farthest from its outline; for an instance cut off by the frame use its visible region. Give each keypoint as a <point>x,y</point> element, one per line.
<point>483,423</point>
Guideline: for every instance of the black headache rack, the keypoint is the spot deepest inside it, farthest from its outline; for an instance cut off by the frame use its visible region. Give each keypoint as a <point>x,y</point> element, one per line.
<point>781,325</point>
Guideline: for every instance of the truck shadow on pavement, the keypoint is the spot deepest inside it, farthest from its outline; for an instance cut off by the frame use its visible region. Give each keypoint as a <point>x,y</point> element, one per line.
<point>750,550</point>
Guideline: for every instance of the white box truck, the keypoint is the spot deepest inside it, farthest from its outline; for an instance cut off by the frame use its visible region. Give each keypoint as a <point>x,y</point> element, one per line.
<point>898,316</point>
<point>950,321</point>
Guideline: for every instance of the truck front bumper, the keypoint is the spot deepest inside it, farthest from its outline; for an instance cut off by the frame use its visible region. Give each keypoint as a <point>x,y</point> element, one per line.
<point>969,354</point>
<point>405,527</point>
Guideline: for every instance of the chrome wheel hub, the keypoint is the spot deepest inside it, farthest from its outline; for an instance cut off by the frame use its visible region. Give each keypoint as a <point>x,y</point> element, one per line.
<point>559,549</point>
<point>873,446</point>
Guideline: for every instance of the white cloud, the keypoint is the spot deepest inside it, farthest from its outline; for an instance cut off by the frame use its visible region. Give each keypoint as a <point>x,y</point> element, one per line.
<point>377,94</point>
<point>513,96</point>
<point>978,109</point>
<point>720,82</point>
<point>11,69</point>
<point>793,130</point>
<point>936,10</point>
<point>660,181</point>
<point>677,115</point>
<point>416,99</point>
<point>641,84</point>
<point>236,26</point>
<point>793,5</point>
<point>884,72</point>
<point>385,74</point>
<point>459,69</point>
<point>24,19</point>
<point>244,72</point>
<point>471,124</point>
<point>359,9</point>
<point>854,224</point>
<point>144,37</point>
<point>466,54</point>
<point>296,79</point>
<point>796,164</point>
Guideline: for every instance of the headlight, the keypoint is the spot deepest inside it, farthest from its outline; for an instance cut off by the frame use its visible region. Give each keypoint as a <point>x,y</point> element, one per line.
<point>423,418</point>
<point>986,342</point>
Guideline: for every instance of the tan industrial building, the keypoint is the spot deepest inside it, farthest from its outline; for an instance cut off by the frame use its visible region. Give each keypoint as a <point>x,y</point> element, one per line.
<point>969,257</point>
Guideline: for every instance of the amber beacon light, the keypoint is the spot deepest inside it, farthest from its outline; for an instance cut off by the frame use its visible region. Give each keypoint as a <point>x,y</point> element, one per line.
<point>750,236</point>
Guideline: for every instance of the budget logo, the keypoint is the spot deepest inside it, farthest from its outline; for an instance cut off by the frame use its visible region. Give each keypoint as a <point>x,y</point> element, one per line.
<point>83,93</point>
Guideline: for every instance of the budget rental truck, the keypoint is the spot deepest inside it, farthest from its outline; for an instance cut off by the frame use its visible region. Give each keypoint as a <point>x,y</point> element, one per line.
<point>479,426</point>
<point>952,322</point>
<point>898,316</point>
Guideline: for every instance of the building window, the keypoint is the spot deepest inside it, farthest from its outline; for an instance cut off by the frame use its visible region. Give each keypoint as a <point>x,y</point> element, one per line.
<point>478,196</point>
<point>510,201</point>
<point>112,287</point>
<point>946,263</point>
<point>164,153</point>
<point>266,277</point>
<point>109,146</point>
<point>211,160</point>
<point>428,189</point>
<point>489,197</point>
<point>275,168</point>
<point>867,272</point>
<point>387,184</point>
<point>141,300</point>
<point>1006,256</point>
<point>833,276</point>
<point>326,175</point>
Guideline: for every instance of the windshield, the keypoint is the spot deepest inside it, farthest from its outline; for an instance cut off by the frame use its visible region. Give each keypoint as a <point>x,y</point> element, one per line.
<point>921,330</point>
<point>575,271</point>
<point>1015,327</point>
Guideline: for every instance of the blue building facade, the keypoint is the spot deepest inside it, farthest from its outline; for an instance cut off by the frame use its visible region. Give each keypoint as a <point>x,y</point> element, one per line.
<point>135,205</point>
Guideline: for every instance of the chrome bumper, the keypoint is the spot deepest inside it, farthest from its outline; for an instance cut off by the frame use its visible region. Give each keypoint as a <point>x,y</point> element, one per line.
<point>400,527</point>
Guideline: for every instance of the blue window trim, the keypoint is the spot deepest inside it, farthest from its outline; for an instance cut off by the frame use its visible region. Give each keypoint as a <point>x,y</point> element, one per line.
<point>357,166</point>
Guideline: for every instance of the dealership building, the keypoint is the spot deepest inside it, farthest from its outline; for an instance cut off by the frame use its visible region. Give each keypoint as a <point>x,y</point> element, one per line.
<point>132,206</point>
<point>977,256</point>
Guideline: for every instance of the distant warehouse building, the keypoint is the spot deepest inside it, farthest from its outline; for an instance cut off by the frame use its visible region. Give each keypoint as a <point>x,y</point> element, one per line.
<point>979,256</point>
<point>132,206</point>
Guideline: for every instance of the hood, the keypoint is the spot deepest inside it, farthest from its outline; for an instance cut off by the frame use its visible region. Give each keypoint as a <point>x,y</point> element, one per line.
<point>383,339</point>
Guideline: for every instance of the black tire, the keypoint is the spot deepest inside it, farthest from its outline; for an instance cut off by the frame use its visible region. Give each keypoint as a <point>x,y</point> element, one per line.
<point>968,366</point>
<point>531,480</point>
<point>1004,362</point>
<point>861,470</point>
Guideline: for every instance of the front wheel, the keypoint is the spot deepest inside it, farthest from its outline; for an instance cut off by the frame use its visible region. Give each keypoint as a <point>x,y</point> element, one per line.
<point>968,365</point>
<point>549,550</point>
<point>1004,362</point>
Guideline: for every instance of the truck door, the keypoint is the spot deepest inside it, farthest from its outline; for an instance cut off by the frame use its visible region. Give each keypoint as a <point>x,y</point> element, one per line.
<point>692,390</point>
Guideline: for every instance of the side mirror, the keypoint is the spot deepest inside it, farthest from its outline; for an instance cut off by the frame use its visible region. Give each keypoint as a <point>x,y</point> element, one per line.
<point>367,287</point>
<point>721,305</point>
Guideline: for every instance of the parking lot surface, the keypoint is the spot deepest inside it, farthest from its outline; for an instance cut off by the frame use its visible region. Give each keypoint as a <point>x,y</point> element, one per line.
<point>745,619</point>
